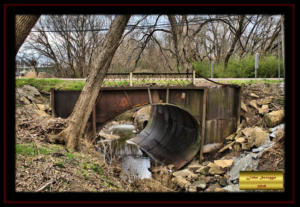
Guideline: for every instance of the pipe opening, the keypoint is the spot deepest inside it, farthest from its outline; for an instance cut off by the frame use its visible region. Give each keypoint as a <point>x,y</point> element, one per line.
<point>171,135</point>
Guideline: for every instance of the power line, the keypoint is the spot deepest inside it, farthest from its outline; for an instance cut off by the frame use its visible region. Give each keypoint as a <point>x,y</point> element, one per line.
<point>106,29</point>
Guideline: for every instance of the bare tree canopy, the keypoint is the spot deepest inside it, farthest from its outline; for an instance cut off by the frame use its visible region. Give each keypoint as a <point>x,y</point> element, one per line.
<point>151,42</point>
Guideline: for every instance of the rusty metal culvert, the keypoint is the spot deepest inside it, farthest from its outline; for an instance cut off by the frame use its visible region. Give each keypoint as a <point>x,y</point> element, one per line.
<point>171,135</point>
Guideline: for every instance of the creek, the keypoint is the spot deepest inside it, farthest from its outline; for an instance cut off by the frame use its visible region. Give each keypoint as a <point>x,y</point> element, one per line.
<point>130,157</point>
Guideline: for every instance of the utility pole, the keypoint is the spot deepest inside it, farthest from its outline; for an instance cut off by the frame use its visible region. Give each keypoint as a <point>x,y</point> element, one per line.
<point>212,69</point>
<point>278,57</point>
<point>256,64</point>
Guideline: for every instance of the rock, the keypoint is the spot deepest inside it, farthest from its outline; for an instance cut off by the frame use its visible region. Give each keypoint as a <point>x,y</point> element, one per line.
<point>222,181</point>
<point>181,182</point>
<point>182,173</point>
<point>157,169</point>
<point>243,106</point>
<point>212,187</point>
<point>261,137</point>
<point>230,137</point>
<point>192,188</point>
<point>264,109</point>
<point>192,177</point>
<point>228,146</point>
<point>211,147</point>
<point>205,163</point>
<point>43,107</point>
<point>232,188</point>
<point>256,136</point>
<point>253,104</point>
<point>262,147</point>
<point>194,167</point>
<point>223,163</point>
<point>24,100</point>
<point>215,169</point>
<point>220,190</point>
<point>203,170</point>
<point>30,90</point>
<point>274,118</point>
<point>170,166</point>
<point>141,117</point>
<point>109,136</point>
<point>245,146</point>
<point>247,131</point>
<point>41,113</point>
<point>264,101</point>
<point>240,140</point>
<point>237,147</point>
<point>200,184</point>
<point>209,179</point>
<point>254,95</point>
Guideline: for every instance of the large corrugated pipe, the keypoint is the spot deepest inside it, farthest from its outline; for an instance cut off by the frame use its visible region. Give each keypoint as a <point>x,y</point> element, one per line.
<point>171,135</point>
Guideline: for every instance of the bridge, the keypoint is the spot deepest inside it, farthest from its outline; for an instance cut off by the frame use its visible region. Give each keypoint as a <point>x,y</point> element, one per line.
<point>183,119</point>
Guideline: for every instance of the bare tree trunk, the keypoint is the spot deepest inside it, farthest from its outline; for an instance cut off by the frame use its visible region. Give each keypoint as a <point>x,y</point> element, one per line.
<point>24,23</point>
<point>85,103</point>
<point>237,36</point>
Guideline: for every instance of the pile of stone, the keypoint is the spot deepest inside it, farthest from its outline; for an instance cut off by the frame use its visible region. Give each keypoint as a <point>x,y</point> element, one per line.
<point>207,176</point>
<point>30,99</point>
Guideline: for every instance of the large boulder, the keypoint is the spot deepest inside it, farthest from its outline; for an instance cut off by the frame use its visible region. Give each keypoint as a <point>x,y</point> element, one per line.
<point>256,136</point>
<point>200,184</point>
<point>203,170</point>
<point>215,169</point>
<point>182,173</point>
<point>29,92</point>
<point>265,101</point>
<point>181,182</point>
<point>264,109</point>
<point>224,163</point>
<point>141,117</point>
<point>274,118</point>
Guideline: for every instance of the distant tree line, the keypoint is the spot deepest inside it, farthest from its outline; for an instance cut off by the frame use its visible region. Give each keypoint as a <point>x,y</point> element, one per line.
<point>156,43</point>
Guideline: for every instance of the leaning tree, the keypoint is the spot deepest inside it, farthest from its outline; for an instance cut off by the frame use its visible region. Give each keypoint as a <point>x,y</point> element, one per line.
<point>77,121</point>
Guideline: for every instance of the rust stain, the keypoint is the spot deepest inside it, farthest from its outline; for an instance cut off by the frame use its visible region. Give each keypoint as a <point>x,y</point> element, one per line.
<point>124,103</point>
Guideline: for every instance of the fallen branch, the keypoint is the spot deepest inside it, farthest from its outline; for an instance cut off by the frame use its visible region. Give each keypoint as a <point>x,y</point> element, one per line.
<point>45,186</point>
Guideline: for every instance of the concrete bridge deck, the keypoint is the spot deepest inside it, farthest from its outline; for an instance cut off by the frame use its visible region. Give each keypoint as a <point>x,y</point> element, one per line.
<point>182,118</point>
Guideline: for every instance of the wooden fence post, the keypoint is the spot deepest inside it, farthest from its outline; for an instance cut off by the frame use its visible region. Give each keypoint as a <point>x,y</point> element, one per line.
<point>52,102</point>
<point>130,79</point>
<point>194,77</point>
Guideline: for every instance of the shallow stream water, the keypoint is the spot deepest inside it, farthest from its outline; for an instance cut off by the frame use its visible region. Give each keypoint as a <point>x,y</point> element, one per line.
<point>130,156</point>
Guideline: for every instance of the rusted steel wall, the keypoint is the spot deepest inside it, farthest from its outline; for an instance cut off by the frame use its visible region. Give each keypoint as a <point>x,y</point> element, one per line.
<point>114,101</point>
<point>221,112</point>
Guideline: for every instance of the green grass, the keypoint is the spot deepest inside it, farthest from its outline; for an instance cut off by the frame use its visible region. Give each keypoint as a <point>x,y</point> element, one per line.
<point>31,150</point>
<point>70,156</point>
<point>25,149</point>
<point>249,82</point>
<point>47,84</point>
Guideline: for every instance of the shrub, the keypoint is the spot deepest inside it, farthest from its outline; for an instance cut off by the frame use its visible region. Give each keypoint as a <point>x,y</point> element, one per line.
<point>241,68</point>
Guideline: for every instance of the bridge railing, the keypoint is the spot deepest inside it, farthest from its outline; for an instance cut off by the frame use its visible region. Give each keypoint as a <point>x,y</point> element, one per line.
<point>135,78</point>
